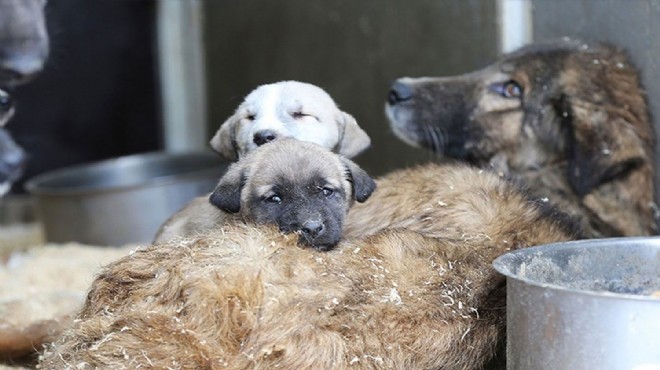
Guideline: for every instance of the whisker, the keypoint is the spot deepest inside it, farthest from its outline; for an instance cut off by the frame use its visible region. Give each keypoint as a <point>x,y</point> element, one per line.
<point>435,138</point>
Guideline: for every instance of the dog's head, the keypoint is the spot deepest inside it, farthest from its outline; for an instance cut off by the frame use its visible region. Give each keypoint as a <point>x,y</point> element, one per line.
<point>298,186</point>
<point>12,157</point>
<point>545,104</point>
<point>24,47</point>
<point>24,43</point>
<point>289,109</point>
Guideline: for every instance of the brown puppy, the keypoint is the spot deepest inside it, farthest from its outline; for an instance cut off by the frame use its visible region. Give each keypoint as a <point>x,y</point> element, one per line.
<point>567,119</point>
<point>298,186</point>
<point>418,293</point>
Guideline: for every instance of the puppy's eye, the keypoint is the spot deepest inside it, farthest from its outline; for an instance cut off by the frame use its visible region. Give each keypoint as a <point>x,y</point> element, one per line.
<point>509,89</point>
<point>251,117</point>
<point>298,115</point>
<point>276,199</point>
<point>326,191</point>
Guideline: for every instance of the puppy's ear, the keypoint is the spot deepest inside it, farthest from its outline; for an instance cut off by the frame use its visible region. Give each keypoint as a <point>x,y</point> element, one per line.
<point>352,139</point>
<point>363,184</point>
<point>604,145</point>
<point>227,194</point>
<point>224,140</point>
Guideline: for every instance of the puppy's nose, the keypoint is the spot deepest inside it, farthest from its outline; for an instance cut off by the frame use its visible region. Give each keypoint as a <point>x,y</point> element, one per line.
<point>264,136</point>
<point>399,92</point>
<point>312,229</point>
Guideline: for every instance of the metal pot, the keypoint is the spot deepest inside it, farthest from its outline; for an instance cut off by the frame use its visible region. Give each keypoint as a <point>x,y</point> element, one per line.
<point>584,305</point>
<point>122,200</point>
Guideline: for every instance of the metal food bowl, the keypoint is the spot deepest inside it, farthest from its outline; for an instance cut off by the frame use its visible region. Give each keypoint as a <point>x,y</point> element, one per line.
<point>122,200</point>
<point>587,304</point>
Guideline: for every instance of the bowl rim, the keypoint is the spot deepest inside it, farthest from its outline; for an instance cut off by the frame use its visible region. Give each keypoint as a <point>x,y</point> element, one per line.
<point>502,264</point>
<point>35,185</point>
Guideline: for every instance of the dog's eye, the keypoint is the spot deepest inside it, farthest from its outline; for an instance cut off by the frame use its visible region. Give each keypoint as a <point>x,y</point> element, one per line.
<point>251,117</point>
<point>297,115</point>
<point>276,199</point>
<point>327,191</point>
<point>509,89</point>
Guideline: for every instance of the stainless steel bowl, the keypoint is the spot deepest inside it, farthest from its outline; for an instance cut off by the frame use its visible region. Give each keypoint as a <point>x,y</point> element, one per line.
<point>123,200</point>
<point>584,305</point>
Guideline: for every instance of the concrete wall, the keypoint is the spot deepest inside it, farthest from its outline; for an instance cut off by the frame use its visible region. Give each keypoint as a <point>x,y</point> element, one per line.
<point>353,49</point>
<point>632,24</point>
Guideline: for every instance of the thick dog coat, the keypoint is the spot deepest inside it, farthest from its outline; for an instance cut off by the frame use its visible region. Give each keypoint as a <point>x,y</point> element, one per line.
<point>567,119</point>
<point>298,186</point>
<point>289,109</point>
<point>417,293</point>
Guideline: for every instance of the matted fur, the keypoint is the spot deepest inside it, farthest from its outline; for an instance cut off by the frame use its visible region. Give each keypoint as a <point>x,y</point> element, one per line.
<point>568,119</point>
<point>246,297</point>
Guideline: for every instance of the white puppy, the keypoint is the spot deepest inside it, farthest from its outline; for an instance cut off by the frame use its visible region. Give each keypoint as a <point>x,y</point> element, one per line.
<point>289,109</point>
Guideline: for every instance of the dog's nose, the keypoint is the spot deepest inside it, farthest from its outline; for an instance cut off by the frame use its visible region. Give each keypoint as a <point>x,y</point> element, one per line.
<point>399,92</point>
<point>312,229</point>
<point>264,136</point>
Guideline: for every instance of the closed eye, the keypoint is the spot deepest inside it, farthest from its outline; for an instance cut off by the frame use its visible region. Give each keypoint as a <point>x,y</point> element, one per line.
<point>298,115</point>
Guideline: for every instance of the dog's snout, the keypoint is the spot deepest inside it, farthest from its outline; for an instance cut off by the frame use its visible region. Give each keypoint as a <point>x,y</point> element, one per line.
<point>263,137</point>
<point>399,92</point>
<point>312,229</point>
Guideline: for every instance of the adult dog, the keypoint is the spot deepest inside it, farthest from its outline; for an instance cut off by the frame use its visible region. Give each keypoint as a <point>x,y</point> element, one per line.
<point>289,109</point>
<point>298,186</point>
<point>285,109</point>
<point>417,293</point>
<point>24,49</point>
<point>567,119</point>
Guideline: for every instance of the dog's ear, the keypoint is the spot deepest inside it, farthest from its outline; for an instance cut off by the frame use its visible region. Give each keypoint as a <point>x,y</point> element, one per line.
<point>224,140</point>
<point>352,138</point>
<point>363,184</point>
<point>604,144</point>
<point>227,194</point>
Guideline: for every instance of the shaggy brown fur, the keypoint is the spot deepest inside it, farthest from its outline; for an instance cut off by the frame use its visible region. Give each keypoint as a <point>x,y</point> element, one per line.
<point>417,293</point>
<point>568,119</point>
